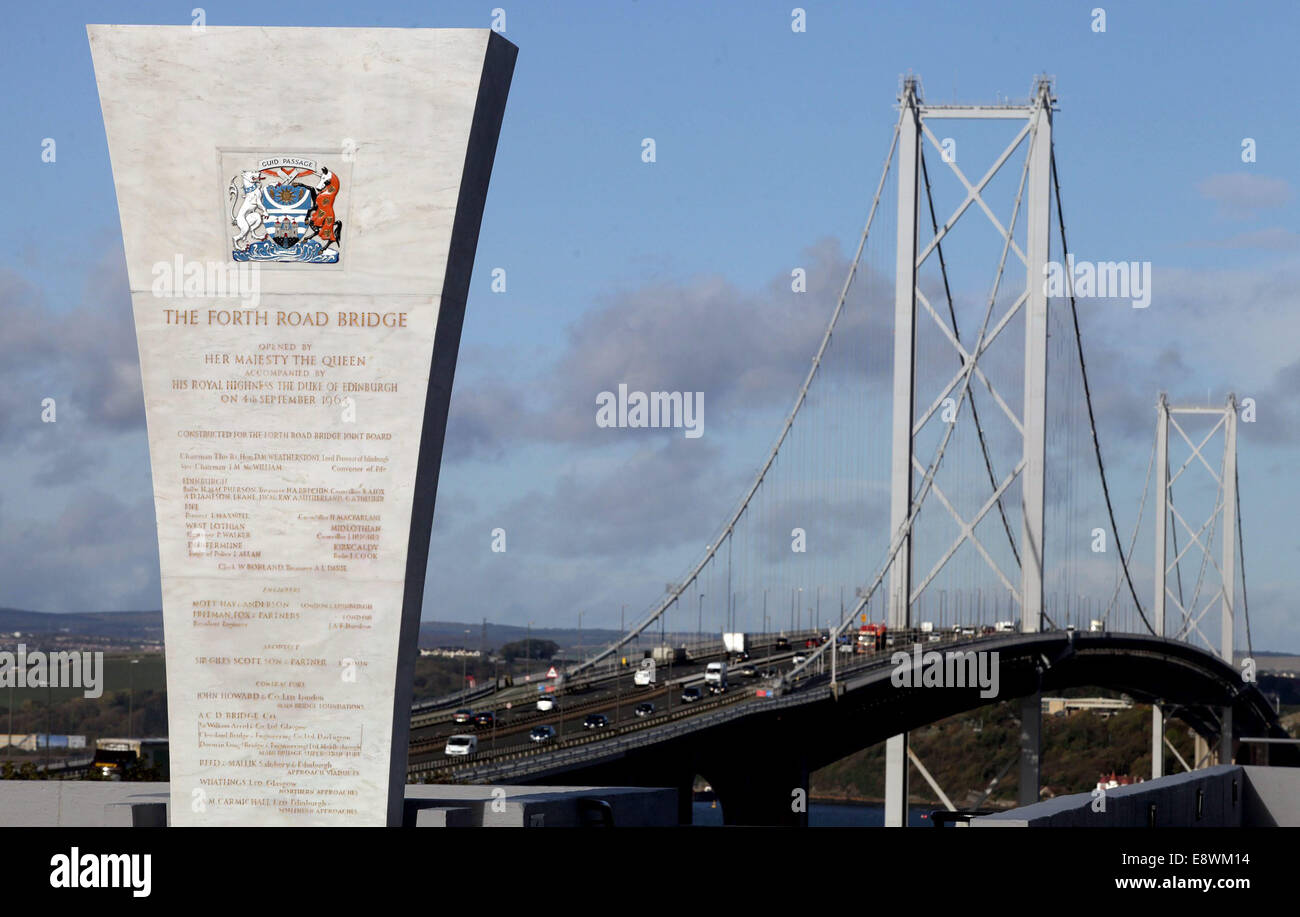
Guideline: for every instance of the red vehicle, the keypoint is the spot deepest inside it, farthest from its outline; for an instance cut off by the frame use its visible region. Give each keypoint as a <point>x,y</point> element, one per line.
<point>871,637</point>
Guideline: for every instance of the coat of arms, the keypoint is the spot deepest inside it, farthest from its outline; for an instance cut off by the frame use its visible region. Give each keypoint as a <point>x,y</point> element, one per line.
<point>284,211</point>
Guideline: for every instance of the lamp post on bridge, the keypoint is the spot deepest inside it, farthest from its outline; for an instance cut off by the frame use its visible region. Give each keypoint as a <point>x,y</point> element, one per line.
<point>731,596</point>
<point>464,656</point>
<point>130,708</point>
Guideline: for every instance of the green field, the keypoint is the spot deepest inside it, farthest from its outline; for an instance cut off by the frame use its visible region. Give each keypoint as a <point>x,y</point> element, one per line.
<point>139,688</point>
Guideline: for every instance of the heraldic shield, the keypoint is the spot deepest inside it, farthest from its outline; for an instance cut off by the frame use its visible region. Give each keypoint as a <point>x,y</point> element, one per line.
<point>284,210</point>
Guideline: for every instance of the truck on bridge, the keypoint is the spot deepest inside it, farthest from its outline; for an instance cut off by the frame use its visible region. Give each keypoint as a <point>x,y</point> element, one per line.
<point>667,654</point>
<point>871,637</point>
<point>715,676</point>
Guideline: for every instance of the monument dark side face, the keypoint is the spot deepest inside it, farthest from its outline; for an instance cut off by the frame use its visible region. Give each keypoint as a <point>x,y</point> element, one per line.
<point>298,277</point>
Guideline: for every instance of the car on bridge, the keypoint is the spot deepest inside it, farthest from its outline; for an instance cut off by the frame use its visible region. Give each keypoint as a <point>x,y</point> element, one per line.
<point>799,658</point>
<point>546,702</point>
<point>462,716</point>
<point>749,671</point>
<point>595,721</point>
<point>543,733</point>
<point>461,745</point>
<point>692,694</point>
<point>645,708</point>
<point>484,719</point>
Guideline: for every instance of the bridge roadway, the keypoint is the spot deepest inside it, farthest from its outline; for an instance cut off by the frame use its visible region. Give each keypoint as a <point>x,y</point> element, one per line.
<point>755,751</point>
<point>612,693</point>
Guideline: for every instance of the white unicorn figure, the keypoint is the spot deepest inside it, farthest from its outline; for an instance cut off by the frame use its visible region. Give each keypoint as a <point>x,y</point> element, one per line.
<point>247,216</point>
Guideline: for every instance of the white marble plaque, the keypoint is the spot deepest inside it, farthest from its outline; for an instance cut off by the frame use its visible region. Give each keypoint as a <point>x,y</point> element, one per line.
<point>298,264</point>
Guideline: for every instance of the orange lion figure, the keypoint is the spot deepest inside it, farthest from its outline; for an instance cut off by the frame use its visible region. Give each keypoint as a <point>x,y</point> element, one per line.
<point>321,217</point>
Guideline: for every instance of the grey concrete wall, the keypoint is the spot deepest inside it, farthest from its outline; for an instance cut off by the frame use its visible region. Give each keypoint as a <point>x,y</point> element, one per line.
<point>1272,796</point>
<point>95,804</point>
<point>1229,796</point>
<point>78,803</point>
<point>543,806</point>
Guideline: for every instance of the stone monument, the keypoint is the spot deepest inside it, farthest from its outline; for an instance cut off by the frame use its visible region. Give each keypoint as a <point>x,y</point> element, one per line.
<point>300,209</point>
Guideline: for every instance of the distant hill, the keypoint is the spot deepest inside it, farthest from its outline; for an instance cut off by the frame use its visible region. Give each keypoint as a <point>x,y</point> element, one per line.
<point>494,636</point>
<point>148,625</point>
<point>125,625</point>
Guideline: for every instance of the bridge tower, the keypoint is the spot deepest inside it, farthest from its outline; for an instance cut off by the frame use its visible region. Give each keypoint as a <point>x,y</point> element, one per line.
<point>1027,590</point>
<point>1223,517</point>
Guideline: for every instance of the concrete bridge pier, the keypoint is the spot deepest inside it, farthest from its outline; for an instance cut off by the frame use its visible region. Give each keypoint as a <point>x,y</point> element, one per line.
<point>763,790</point>
<point>686,799</point>
<point>1031,747</point>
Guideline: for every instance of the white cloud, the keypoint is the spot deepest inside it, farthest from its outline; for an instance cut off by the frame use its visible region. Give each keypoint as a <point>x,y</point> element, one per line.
<point>1240,194</point>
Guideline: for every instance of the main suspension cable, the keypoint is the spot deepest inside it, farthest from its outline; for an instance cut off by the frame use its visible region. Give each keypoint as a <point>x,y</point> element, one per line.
<point>727,530</point>
<point>1146,488</point>
<point>1087,394</point>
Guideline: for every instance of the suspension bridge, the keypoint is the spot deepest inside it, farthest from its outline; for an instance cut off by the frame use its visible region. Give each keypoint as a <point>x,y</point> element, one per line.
<point>939,484</point>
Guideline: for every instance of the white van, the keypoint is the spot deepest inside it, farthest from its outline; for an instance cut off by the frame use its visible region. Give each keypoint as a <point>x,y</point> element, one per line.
<point>645,675</point>
<point>461,745</point>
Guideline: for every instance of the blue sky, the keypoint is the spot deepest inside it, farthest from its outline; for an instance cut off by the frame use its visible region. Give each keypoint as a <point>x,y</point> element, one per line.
<point>769,143</point>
